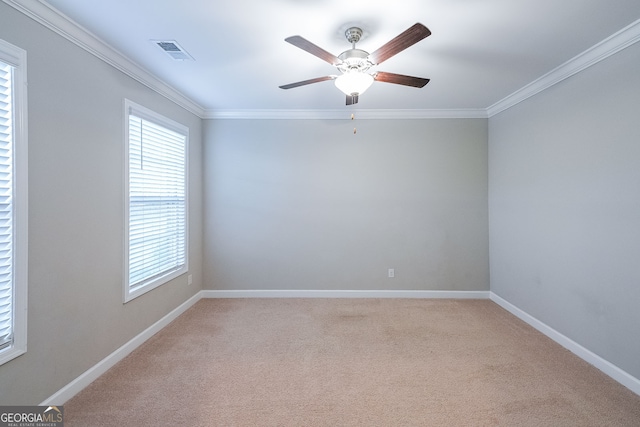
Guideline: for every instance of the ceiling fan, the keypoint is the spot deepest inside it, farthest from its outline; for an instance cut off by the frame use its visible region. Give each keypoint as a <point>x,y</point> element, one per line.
<point>354,64</point>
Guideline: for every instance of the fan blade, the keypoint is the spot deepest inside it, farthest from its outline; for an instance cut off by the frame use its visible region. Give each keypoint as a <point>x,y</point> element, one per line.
<point>352,99</point>
<point>408,38</point>
<point>307,82</point>
<point>400,79</point>
<point>305,44</point>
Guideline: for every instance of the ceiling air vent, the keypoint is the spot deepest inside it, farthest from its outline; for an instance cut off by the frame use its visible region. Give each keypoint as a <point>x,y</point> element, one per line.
<point>173,49</point>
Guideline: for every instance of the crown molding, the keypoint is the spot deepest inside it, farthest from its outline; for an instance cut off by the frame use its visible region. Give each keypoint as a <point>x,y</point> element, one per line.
<point>479,113</point>
<point>599,52</point>
<point>61,24</point>
<point>51,18</point>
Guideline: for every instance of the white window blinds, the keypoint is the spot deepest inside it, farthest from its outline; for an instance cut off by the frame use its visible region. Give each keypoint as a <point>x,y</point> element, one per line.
<point>157,203</point>
<point>6,206</point>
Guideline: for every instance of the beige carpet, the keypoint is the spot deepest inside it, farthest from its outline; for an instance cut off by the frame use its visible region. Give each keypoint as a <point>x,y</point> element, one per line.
<point>351,362</point>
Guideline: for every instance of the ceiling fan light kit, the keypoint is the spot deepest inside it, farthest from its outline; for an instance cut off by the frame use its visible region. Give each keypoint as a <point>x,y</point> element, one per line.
<point>354,83</point>
<point>354,64</point>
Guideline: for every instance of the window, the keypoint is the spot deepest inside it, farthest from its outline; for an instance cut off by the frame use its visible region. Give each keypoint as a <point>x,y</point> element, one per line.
<point>13,202</point>
<point>156,205</point>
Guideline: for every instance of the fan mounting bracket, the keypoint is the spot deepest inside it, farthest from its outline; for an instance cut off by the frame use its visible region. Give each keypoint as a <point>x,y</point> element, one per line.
<point>353,34</point>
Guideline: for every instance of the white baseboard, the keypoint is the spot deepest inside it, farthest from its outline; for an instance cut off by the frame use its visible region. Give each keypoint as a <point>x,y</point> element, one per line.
<point>605,366</point>
<point>86,378</point>
<point>90,375</point>
<point>271,293</point>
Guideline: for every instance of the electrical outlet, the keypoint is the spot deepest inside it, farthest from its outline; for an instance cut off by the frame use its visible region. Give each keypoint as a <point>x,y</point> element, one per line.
<point>392,273</point>
<point>189,279</point>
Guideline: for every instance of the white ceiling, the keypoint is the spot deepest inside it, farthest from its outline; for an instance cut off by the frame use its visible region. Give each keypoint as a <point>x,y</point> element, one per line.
<point>480,51</point>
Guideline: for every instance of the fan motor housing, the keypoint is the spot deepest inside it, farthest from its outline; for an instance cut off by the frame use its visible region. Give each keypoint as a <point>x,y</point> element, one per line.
<point>354,60</point>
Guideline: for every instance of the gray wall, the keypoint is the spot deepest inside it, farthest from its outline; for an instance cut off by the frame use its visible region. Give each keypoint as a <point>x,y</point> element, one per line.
<point>308,204</point>
<point>75,112</point>
<point>564,203</point>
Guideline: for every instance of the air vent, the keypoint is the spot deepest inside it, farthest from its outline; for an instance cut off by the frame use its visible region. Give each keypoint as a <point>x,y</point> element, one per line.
<point>173,49</point>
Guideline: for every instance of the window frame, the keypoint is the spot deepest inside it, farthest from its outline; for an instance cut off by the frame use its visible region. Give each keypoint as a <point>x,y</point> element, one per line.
<point>131,108</point>
<point>17,59</point>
